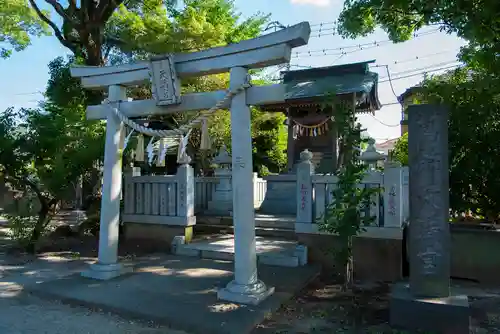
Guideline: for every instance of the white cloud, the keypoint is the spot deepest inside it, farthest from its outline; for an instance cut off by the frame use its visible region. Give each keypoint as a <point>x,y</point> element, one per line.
<point>318,3</point>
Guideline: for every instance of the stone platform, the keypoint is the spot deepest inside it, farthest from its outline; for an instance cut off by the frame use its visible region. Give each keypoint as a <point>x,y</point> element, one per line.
<point>180,292</point>
<point>270,251</point>
<point>436,315</point>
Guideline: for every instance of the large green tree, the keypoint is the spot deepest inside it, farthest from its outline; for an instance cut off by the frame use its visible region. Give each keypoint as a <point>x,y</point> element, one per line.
<point>93,30</point>
<point>473,99</point>
<point>471,93</point>
<point>46,150</point>
<point>19,23</point>
<point>474,20</point>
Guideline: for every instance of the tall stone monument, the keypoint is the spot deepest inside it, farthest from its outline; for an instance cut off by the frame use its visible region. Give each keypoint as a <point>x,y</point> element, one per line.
<point>427,303</point>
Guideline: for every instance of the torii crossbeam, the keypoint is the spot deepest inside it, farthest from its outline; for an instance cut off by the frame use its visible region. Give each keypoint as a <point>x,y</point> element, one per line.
<point>271,49</point>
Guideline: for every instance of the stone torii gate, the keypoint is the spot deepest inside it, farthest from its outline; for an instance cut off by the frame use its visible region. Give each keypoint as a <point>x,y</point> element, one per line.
<point>166,71</point>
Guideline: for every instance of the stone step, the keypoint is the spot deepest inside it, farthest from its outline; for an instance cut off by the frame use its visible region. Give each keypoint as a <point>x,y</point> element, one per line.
<point>261,220</point>
<point>288,234</point>
<point>270,251</point>
<point>282,222</point>
<point>265,226</point>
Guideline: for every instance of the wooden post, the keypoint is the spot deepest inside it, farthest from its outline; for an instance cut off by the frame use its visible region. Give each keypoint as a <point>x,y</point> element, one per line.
<point>107,265</point>
<point>246,287</point>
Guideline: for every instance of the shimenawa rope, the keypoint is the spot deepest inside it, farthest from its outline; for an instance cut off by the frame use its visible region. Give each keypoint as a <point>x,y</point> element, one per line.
<point>204,115</point>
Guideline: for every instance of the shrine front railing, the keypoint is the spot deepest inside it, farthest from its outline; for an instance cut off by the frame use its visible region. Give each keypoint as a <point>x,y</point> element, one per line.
<point>160,199</point>
<point>390,207</point>
<point>324,185</point>
<point>203,192</point>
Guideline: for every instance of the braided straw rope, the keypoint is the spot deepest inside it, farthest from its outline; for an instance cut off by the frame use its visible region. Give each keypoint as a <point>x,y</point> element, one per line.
<point>202,116</point>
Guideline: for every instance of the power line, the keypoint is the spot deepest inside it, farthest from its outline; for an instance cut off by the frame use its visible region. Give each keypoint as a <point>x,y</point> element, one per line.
<point>422,73</point>
<point>29,93</point>
<point>445,63</point>
<point>322,24</point>
<point>390,104</point>
<point>385,124</point>
<point>360,46</point>
<point>412,59</point>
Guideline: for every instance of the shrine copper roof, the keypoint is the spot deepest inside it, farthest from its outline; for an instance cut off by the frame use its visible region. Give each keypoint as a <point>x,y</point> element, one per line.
<point>310,86</point>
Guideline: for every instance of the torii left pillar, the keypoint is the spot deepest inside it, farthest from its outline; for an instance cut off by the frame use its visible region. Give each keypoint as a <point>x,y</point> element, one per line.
<point>107,265</point>
<point>246,288</point>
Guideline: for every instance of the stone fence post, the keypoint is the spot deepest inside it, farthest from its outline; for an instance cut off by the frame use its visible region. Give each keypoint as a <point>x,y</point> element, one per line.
<point>393,194</point>
<point>406,193</point>
<point>185,190</point>
<point>304,190</point>
<point>129,172</point>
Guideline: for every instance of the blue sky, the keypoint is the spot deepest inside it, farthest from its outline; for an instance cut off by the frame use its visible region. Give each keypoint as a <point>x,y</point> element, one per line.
<point>25,74</point>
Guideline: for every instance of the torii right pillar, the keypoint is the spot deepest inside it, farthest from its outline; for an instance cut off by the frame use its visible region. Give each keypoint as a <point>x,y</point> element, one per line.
<point>427,303</point>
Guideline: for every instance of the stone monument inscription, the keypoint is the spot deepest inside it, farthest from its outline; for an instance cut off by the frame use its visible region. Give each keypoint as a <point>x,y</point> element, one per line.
<point>429,204</point>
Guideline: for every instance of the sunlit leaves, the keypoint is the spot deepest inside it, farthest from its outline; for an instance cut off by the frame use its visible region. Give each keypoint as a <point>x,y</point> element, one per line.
<point>473,99</point>
<point>54,145</point>
<point>477,21</point>
<point>18,25</point>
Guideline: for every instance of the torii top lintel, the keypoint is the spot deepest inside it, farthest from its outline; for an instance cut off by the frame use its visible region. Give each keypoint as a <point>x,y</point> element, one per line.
<point>267,50</point>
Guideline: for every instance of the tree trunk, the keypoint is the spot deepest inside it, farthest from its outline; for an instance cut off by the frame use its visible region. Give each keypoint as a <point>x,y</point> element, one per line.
<point>44,216</point>
<point>349,265</point>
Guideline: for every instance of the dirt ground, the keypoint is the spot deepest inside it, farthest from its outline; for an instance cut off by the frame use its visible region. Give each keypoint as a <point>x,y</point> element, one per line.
<point>323,308</point>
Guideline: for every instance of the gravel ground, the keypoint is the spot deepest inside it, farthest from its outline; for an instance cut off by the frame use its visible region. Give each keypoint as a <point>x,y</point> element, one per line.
<point>21,313</point>
<point>30,315</point>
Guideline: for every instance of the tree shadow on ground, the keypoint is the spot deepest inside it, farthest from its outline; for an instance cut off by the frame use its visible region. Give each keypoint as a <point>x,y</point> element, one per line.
<point>323,308</point>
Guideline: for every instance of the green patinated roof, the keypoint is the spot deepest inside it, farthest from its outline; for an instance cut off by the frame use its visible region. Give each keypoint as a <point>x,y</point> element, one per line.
<point>319,87</point>
<point>310,85</point>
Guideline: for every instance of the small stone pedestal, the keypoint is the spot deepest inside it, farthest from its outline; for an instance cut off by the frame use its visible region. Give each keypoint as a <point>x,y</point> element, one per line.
<point>438,315</point>
<point>222,198</point>
<point>252,294</point>
<point>105,272</point>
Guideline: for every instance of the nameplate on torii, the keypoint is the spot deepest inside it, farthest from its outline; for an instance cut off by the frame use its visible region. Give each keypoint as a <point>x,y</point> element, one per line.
<point>165,85</point>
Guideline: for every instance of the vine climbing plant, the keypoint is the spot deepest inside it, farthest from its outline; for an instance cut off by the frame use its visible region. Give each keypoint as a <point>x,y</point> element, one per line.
<point>346,216</point>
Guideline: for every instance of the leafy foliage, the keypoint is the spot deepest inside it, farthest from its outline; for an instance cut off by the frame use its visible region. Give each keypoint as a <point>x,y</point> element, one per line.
<point>18,24</point>
<point>476,21</point>
<point>123,30</point>
<point>471,93</point>
<point>200,24</point>
<point>126,31</point>
<point>345,215</point>
<point>473,20</point>
<point>47,150</point>
<point>474,107</point>
<point>269,138</point>
<point>400,152</point>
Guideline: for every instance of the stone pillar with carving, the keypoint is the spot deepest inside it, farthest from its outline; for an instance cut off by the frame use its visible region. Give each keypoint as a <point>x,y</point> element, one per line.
<point>427,304</point>
<point>185,191</point>
<point>393,194</point>
<point>429,201</point>
<point>222,197</point>
<point>304,190</point>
